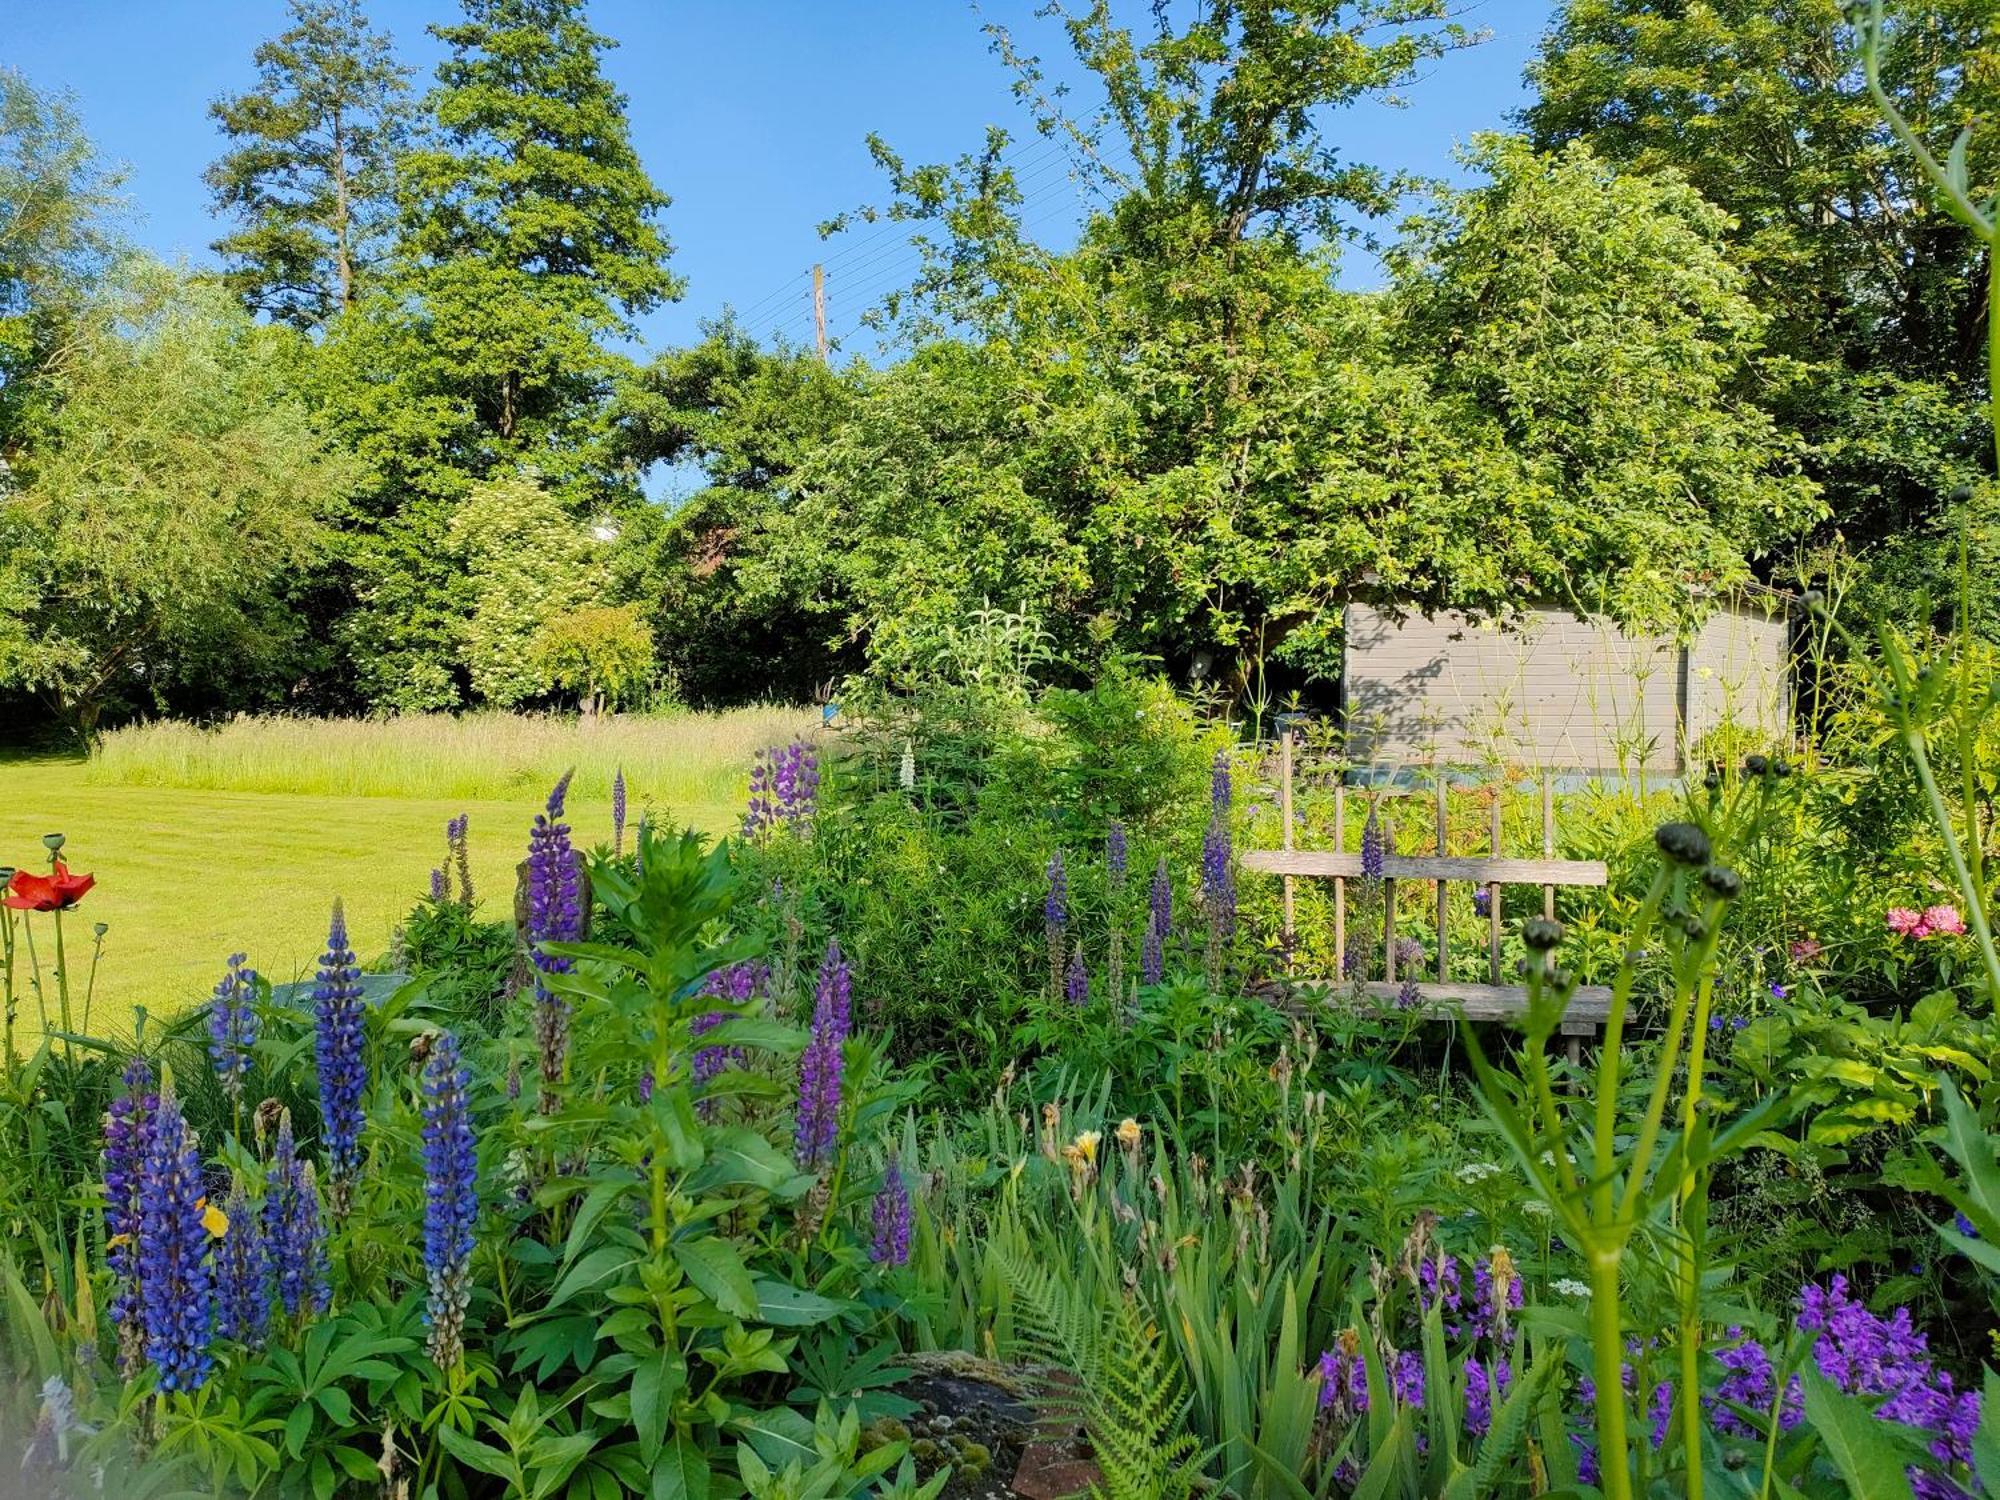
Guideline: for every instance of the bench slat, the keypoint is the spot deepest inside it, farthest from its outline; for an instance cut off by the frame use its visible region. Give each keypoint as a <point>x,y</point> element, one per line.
<point>1478,868</point>
<point>1588,1007</point>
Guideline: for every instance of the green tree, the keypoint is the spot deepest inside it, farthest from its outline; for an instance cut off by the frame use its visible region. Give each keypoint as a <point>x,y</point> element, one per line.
<point>603,653</point>
<point>530,564</point>
<point>311,166</point>
<point>1863,279</point>
<point>56,237</point>
<point>170,480</point>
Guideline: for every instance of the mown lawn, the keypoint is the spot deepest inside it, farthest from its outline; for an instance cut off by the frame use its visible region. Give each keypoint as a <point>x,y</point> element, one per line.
<point>187,877</point>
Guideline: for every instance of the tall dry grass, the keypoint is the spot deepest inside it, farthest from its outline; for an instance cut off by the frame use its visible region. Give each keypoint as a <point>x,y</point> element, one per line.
<point>689,758</point>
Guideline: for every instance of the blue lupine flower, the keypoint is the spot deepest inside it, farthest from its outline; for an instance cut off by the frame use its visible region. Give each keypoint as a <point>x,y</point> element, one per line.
<point>242,1275</point>
<point>1076,982</point>
<point>232,1026</point>
<point>1964,1226</point>
<point>1373,846</point>
<point>618,813</point>
<point>440,889</point>
<point>294,1234</point>
<point>817,1132</point>
<point>1055,920</point>
<point>1482,900</point>
<point>127,1138</point>
<point>1152,955</point>
<point>1218,864</point>
<point>451,1202</point>
<point>176,1282</point>
<point>1117,854</point>
<point>343,1065</point>
<point>1160,901</point>
<point>459,848</point>
<point>555,915</point>
<point>891,1215</point>
<point>784,789</point>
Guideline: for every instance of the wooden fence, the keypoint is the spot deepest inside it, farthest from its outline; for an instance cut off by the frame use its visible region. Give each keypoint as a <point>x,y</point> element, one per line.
<point>1443,995</point>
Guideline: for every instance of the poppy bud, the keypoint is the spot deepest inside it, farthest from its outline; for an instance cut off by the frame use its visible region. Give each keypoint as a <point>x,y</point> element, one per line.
<point>1562,978</point>
<point>1541,933</point>
<point>266,1118</point>
<point>1780,766</point>
<point>1756,765</point>
<point>1683,843</point>
<point>1696,929</point>
<point>1713,779</point>
<point>420,1048</point>
<point>52,842</point>
<point>1724,881</point>
<point>1813,601</point>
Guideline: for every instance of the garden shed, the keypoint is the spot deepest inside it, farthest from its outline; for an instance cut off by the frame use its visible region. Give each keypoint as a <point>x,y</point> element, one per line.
<point>1560,692</point>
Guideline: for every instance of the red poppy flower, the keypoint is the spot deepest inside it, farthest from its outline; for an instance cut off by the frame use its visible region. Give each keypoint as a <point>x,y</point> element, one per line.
<point>56,891</point>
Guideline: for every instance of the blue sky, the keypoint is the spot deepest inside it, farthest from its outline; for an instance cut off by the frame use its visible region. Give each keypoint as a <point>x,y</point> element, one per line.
<point>750,114</point>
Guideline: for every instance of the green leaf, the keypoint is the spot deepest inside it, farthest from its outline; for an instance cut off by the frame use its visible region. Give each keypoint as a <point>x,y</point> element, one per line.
<point>755,1031</point>
<point>682,1472</point>
<point>655,1384</point>
<point>1972,1149</point>
<point>713,1265</point>
<point>599,1268</point>
<point>787,1306</point>
<point>781,1436</point>
<point>475,1454</point>
<point>673,1115</point>
<point>1861,1447</point>
<point>740,1156</point>
<point>1986,1441</point>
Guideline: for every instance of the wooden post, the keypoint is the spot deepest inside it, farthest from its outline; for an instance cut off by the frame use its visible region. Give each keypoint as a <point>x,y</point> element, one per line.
<point>1493,895</point>
<point>1443,890</point>
<point>1573,1047</point>
<point>819,310</point>
<point>1285,812</point>
<point>1340,881</point>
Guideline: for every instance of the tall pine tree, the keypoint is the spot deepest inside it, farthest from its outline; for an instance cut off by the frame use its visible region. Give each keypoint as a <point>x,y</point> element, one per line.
<point>310,172</point>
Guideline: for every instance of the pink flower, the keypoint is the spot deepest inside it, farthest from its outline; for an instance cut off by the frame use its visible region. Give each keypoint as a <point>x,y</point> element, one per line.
<point>1805,950</point>
<point>1943,921</point>
<point>1904,920</point>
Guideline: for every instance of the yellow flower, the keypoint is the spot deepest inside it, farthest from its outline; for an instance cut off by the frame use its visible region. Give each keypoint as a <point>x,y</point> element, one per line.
<point>1086,1143</point>
<point>213,1219</point>
<point>1128,1133</point>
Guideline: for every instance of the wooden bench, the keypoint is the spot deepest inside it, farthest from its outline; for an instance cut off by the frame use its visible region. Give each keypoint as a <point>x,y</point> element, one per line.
<point>1492,1000</point>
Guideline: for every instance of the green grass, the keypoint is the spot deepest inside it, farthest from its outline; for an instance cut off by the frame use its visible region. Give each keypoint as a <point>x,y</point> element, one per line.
<point>193,870</point>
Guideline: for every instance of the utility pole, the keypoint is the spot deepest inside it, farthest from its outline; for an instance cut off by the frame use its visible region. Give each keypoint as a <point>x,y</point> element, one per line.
<point>819,310</point>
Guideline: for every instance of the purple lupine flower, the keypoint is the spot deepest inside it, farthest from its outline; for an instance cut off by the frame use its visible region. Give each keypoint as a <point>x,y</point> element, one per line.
<point>294,1235</point>
<point>739,984</point>
<point>459,846</point>
<point>817,1132</point>
<point>440,889</point>
<point>242,1275</point>
<point>1406,1377</point>
<point>1409,954</point>
<point>1152,955</point>
<point>451,1201</point>
<point>1438,1278</point>
<point>1964,1226</point>
<point>1117,854</point>
<point>555,915</point>
<point>1661,1409</point>
<point>1748,1383</point>
<point>1160,901</point>
<point>1356,958</point>
<point>232,1026</point>
<point>1491,1312</point>
<point>1482,900</point>
<point>795,783</point>
<point>1076,981</point>
<point>891,1215</point>
<point>343,1069</point>
<point>618,813</point>
<point>176,1281</point>
<point>1055,920</point>
<point>760,814</point>
<point>1373,846</point>
<point>1218,863</point>
<point>1343,1377</point>
<point>127,1139</point>
<point>1479,1390</point>
<point>1409,995</point>
<point>646,1084</point>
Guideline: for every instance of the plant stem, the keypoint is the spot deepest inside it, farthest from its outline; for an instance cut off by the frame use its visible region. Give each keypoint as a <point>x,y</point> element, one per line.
<point>62,979</point>
<point>1913,741</point>
<point>1607,1348</point>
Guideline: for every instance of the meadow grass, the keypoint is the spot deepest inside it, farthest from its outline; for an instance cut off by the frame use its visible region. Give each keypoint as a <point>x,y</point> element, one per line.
<point>681,758</point>
<point>238,839</point>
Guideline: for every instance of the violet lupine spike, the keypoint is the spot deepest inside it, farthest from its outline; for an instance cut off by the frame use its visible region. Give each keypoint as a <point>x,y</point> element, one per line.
<point>1117,854</point>
<point>555,915</point>
<point>294,1234</point>
<point>176,1280</point>
<point>834,988</point>
<point>817,1133</point>
<point>618,814</point>
<point>1055,920</point>
<point>760,815</point>
<point>342,1063</point>
<point>459,844</point>
<point>232,1026</point>
<point>242,1275</point>
<point>1218,878</point>
<point>890,1214</point>
<point>440,889</point>
<point>1219,793</point>
<point>1076,980</point>
<point>1152,956</point>
<point>1373,846</point>
<point>451,1200</point>
<point>795,783</point>
<point>127,1138</point>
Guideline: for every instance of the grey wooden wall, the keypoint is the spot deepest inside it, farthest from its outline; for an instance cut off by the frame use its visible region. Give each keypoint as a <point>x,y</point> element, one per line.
<point>1557,692</point>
